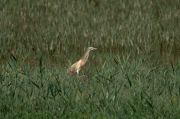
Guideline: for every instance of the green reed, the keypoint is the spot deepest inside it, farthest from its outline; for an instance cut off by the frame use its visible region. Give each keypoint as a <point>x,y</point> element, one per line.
<point>119,88</point>
<point>61,30</point>
<point>133,74</point>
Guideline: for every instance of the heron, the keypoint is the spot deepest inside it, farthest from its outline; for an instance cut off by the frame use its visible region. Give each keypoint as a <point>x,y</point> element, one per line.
<point>76,67</point>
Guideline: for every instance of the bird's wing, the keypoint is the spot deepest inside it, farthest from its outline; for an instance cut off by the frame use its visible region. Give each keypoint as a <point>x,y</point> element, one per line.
<point>75,66</point>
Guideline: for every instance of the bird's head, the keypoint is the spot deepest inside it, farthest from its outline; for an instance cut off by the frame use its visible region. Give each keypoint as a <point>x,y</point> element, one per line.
<point>91,48</point>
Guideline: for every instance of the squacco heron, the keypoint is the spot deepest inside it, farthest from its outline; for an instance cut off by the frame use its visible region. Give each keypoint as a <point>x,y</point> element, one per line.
<point>76,67</point>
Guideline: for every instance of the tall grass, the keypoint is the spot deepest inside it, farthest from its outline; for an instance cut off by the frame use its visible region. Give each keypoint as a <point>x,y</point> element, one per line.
<point>120,88</point>
<point>61,29</point>
<point>133,74</point>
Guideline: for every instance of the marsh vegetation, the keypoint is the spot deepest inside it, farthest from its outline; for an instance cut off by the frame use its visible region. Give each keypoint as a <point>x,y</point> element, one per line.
<point>133,74</point>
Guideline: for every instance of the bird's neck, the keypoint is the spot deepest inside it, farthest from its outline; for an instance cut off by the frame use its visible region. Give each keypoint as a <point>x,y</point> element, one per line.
<point>85,57</point>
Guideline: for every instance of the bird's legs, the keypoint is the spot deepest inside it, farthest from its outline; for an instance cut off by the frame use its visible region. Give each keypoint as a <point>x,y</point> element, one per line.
<point>78,72</point>
<point>80,76</point>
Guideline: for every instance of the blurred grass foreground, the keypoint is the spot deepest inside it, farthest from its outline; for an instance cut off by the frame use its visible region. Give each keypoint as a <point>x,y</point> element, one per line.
<point>133,74</point>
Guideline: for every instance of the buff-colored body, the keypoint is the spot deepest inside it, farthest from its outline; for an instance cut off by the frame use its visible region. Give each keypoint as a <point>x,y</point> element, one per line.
<point>76,67</point>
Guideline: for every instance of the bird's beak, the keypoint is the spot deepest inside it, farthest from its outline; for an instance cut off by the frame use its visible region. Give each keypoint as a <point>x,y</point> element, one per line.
<point>94,48</point>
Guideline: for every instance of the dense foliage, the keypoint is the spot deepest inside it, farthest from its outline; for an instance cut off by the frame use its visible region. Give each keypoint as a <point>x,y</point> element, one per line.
<point>133,74</point>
